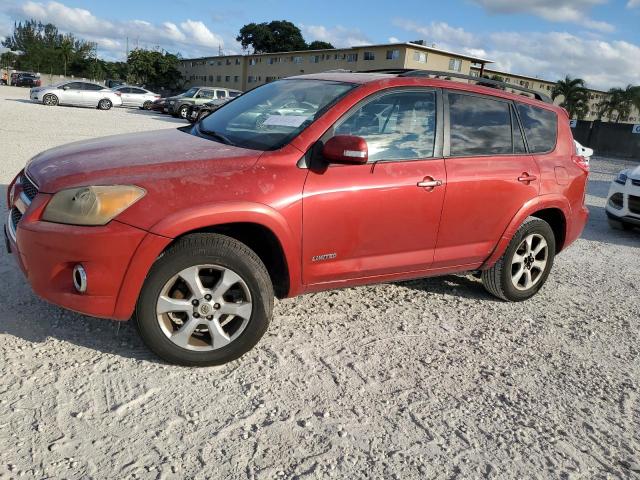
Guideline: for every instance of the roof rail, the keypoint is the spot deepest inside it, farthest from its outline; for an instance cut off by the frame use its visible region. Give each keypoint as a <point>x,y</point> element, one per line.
<point>488,82</point>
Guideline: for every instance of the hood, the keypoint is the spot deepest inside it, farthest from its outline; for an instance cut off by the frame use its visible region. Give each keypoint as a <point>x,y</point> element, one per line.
<point>137,158</point>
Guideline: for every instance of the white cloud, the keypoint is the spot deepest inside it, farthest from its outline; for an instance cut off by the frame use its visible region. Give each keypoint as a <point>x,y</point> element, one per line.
<point>394,40</point>
<point>338,36</point>
<point>190,37</point>
<point>633,3</point>
<point>568,11</point>
<point>550,55</point>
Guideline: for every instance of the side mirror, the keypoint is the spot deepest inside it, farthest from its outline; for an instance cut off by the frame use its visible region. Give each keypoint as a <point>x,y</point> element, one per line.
<point>347,149</point>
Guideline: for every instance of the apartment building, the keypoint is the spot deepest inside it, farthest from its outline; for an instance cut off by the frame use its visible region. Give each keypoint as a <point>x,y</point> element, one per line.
<point>596,97</point>
<point>244,72</point>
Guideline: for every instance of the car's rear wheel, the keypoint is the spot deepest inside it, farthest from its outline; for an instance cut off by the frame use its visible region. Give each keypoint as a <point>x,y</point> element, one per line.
<point>105,104</point>
<point>50,100</point>
<point>206,301</point>
<point>147,105</point>
<point>525,265</point>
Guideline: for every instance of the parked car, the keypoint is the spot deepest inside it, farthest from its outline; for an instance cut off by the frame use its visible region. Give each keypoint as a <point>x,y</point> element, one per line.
<point>136,96</point>
<point>25,79</point>
<point>83,94</point>
<point>623,201</point>
<point>178,106</point>
<point>300,185</point>
<point>195,113</point>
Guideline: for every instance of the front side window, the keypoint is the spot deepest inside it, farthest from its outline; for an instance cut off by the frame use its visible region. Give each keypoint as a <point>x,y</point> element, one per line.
<point>540,127</point>
<point>479,126</point>
<point>92,87</point>
<point>270,116</point>
<point>206,94</point>
<point>396,126</point>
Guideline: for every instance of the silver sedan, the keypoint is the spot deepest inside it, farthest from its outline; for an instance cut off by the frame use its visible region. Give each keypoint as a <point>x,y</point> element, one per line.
<point>136,96</point>
<point>85,94</point>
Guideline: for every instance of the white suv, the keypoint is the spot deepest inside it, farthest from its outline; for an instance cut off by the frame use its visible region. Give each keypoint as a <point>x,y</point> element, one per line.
<point>623,202</point>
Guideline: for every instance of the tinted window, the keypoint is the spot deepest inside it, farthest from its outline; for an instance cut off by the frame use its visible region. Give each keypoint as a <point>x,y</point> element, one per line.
<point>92,87</point>
<point>479,126</point>
<point>137,90</point>
<point>540,128</point>
<point>124,90</point>
<point>518,140</point>
<point>74,86</point>
<point>220,94</point>
<point>396,126</point>
<point>206,94</point>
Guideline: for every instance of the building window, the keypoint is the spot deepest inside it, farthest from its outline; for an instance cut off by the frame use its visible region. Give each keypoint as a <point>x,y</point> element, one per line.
<point>369,56</point>
<point>352,57</point>
<point>393,54</point>
<point>227,78</point>
<point>211,78</point>
<point>296,59</point>
<point>219,78</point>
<point>253,61</point>
<point>251,79</point>
<point>236,78</point>
<point>314,59</point>
<point>455,64</point>
<point>420,57</point>
<point>237,61</point>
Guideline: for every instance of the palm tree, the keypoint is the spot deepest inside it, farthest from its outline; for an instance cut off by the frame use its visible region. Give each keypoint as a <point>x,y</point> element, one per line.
<point>575,98</point>
<point>620,102</point>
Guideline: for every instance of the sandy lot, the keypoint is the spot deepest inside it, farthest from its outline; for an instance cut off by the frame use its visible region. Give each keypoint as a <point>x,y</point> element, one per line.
<point>423,379</point>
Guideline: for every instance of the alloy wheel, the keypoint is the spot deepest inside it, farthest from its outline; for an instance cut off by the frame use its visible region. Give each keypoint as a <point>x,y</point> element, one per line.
<point>529,261</point>
<point>204,307</point>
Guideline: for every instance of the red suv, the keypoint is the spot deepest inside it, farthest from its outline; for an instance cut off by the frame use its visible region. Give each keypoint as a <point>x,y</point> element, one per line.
<point>301,185</point>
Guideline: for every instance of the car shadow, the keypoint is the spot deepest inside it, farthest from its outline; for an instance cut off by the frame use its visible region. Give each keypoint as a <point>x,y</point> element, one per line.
<point>21,100</point>
<point>156,115</point>
<point>461,285</point>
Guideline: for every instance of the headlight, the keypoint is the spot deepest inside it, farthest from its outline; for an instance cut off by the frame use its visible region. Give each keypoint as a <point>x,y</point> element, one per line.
<point>91,205</point>
<point>171,102</point>
<point>621,178</point>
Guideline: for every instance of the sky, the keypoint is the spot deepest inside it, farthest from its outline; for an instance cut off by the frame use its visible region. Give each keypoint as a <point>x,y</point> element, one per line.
<point>597,40</point>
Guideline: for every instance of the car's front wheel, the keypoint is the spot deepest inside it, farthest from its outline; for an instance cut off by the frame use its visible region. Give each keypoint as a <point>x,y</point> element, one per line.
<point>206,301</point>
<point>105,104</point>
<point>50,100</point>
<point>525,265</point>
<point>183,111</point>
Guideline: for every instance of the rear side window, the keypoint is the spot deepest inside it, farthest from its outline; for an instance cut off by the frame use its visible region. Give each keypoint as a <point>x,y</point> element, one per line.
<point>540,127</point>
<point>479,126</point>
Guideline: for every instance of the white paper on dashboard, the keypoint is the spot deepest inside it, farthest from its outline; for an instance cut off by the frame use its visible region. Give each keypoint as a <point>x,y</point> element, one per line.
<point>285,120</point>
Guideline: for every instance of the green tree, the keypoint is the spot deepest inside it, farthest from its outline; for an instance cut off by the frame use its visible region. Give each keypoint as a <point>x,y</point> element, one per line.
<point>275,36</point>
<point>575,97</point>
<point>319,45</point>
<point>153,69</point>
<point>619,103</point>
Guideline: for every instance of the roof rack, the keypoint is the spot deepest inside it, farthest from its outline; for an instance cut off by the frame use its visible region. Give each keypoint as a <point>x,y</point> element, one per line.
<point>480,80</point>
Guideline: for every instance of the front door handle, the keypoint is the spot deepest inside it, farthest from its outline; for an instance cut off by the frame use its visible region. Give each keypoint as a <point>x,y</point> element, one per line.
<point>526,178</point>
<point>430,182</point>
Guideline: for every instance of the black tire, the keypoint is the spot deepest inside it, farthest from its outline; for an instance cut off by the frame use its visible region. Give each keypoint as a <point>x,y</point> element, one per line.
<point>205,249</point>
<point>183,111</point>
<point>105,104</point>
<point>147,105</point>
<point>50,100</point>
<point>497,280</point>
<point>618,224</point>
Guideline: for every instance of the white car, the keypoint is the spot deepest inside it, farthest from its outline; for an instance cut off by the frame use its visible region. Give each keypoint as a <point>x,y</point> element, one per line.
<point>136,96</point>
<point>84,94</point>
<point>623,201</point>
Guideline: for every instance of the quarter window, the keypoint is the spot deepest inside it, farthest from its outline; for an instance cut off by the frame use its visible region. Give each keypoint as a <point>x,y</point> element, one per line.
<point>540,127</point>
<point>396,126</point>
<point>479,126</point>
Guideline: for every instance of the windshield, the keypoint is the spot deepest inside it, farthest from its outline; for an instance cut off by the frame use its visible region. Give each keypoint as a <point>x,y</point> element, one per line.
<point>189,93</point>
<point>270,116</point>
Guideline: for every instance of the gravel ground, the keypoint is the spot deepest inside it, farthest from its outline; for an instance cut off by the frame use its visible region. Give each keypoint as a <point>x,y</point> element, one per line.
<point>423,379</point>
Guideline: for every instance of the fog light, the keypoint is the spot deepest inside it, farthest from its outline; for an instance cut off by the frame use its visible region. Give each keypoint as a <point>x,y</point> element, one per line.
<point>80,278</point>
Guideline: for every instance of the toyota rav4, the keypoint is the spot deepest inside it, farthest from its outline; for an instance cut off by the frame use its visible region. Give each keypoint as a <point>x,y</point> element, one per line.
<point>304,184</point>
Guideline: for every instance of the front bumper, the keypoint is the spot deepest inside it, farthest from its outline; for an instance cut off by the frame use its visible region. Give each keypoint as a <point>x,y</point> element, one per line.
<point>630,209</point>
<point>47,252</point>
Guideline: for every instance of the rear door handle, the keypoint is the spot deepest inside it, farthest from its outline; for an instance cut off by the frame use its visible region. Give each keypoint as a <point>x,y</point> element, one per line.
<point>526,178</point>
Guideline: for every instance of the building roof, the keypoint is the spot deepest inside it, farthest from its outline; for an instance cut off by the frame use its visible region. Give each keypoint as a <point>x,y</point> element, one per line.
<point>398,44</point>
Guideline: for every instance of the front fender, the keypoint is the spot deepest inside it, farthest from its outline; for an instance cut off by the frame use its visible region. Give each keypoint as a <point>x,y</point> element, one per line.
<point>532,206</point>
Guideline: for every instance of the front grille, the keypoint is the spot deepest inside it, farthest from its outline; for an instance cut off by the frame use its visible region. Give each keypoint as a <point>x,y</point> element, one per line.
<point>635,182</point>
<point>28,187</point>
<point>634,204</point>
<point>16,216</point>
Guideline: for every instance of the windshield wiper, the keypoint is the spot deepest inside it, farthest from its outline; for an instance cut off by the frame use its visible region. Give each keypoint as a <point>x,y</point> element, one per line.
<point>219,136</point>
